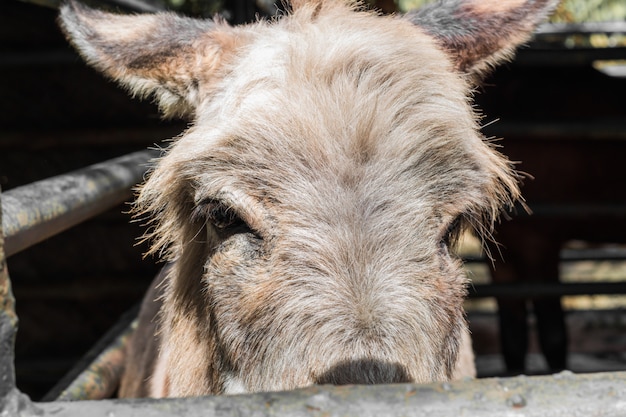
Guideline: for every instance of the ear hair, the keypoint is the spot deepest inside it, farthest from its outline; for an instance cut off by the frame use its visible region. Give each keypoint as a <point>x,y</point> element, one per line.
<point>478,34</point>
<point>162,54</point>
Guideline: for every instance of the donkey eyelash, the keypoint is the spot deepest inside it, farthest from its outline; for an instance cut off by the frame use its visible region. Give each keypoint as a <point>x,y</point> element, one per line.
<point>216,212</point>
<point>223,217</point>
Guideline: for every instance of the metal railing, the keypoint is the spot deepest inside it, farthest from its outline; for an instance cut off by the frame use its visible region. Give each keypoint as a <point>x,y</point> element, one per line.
<point>37,211</point>
<point>34,212</point>
<point>560,395</point>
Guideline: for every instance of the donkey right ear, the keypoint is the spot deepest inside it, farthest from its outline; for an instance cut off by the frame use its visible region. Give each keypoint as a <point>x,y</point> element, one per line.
<point>479,34</point>
<point>163,54</point>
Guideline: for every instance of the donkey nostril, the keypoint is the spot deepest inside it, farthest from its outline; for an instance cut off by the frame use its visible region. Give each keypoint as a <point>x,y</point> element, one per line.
<point>364,371</point>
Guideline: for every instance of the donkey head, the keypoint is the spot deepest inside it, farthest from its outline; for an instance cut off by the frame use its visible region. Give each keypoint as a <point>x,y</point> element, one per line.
<point>308,211</point>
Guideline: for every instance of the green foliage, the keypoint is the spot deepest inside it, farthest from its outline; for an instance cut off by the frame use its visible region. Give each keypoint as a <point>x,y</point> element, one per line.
<point>405,5</point>
<point>569,11</point>
<point>575,11</point>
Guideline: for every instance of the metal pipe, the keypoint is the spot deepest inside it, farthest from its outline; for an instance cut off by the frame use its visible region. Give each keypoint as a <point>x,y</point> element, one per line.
<point>545,289</point>
<point>560,395</point>
<point>560,57</point>
<point>37,211</point>
<point>132,5</point>
<point>569,255</point>
<point>137,5</point>
<point>583,28</point>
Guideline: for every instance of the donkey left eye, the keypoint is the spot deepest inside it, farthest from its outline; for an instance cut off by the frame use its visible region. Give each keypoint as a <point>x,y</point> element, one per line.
<point>222,217</point>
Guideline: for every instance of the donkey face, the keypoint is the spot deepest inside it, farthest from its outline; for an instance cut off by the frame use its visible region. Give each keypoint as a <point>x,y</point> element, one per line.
<point>308,212</point>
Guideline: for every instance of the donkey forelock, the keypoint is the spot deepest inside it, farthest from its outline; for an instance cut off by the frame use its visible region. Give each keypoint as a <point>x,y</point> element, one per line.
<point>344,96</point>
<point>308,211</point>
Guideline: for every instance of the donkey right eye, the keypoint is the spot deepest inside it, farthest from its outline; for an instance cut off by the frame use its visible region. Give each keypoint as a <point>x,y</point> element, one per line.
<point>222,217</point>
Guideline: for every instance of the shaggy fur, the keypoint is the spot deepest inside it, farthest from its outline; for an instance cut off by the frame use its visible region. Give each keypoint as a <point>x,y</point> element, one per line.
<point>307,214</point>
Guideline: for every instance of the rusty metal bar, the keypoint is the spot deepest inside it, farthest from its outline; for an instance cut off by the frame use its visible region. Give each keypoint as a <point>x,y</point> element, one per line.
<point>132,5</point>
<point>551,29</point>
<point>572,255</point>
<point>535,55</point>
<point>546,289</point>
<point>135,5</point>
<point>547,47</point>
<point>52,4</point>
<point>560,395</point>
<point>37,211</point>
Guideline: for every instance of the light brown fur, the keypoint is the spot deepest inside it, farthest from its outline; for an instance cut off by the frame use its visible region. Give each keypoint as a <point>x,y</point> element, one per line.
<point>308,211</point>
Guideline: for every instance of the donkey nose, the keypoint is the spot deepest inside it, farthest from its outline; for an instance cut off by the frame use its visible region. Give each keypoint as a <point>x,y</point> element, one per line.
<point>364,371</point>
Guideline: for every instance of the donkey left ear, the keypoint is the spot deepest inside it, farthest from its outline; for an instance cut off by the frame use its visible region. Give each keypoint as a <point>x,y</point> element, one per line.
<point>163,54</point>
<point>479,34</point>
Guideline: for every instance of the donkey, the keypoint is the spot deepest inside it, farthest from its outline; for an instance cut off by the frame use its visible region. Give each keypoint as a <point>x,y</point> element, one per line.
<point>307,214</point>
